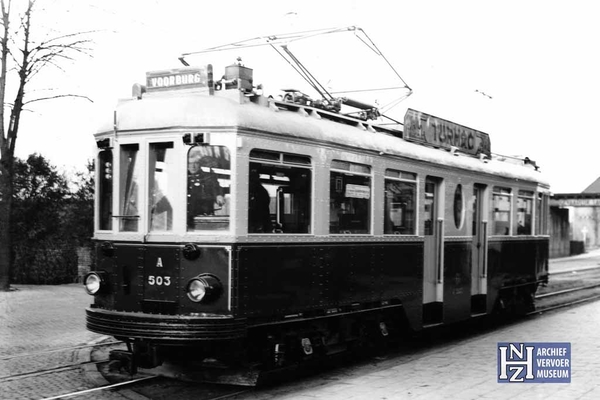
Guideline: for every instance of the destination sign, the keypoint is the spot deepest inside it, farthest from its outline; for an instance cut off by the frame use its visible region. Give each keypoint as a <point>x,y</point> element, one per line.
<point>424,128</point>
<point>176,78</point>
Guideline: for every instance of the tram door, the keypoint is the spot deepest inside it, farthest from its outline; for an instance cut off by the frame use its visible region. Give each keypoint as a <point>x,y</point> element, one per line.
<point>479,250</point>
<point>433,258</point>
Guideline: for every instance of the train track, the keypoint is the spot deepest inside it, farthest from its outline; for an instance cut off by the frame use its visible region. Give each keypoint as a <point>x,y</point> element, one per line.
<point>569,288</point>
<point>39,353</point>
<point>8,378</point>
<point>96,389</point>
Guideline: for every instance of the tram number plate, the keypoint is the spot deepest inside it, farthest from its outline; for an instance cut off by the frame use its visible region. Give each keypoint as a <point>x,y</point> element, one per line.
<point>159,280</point>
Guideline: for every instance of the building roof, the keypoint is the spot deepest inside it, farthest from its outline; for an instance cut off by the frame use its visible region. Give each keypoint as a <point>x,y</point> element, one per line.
<point>594,187</point>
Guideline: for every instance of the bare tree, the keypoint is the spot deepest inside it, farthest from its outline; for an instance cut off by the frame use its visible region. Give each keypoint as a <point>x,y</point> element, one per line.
<point>22,60</point>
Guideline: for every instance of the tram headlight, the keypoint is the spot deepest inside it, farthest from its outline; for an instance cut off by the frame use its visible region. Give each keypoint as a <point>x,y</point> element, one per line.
<point>94,282</point>
<point>204,288</point>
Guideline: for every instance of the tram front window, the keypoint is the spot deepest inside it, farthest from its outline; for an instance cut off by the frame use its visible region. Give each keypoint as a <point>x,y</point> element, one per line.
<point>129,183</point>
<point>162,185</point>
<point>105,177</point>
<point>209,178</point>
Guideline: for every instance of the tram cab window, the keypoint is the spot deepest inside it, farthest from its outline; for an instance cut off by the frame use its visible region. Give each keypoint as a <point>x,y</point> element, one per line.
<point>129,197</point>
<point>350,198</point>
<point>208,188</point>
<point>105,179</point>
<point>501,212</point>
<point>162,186</point>
<point>524,212</point>
<point>279,193</point>
<point>400,201</point>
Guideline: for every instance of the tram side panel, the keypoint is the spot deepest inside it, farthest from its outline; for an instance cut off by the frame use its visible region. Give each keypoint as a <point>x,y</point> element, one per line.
<point>284,280</point>
<point>515,268</point>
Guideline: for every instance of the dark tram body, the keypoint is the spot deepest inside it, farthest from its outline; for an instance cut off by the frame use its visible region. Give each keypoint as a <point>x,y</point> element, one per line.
<point>236,227</point>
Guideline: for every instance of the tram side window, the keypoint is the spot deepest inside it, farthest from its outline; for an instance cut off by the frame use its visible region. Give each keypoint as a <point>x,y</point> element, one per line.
<point>400,200</point>
<point>162,186</point>
<point>524,212</point>
<point>428,206</point>
<point>541,214</point>
<point>279,193</point>
<point>105,179</point>
<point>129,182</point>
<point>501,199</point>
<point>350,198</point>
<point>208,194</point>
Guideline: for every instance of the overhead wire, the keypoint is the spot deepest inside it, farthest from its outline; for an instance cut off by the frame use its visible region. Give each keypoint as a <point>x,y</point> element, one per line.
<point>283,40</point>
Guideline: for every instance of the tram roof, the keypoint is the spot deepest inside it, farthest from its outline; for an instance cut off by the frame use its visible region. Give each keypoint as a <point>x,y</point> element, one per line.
<point>198,110</point>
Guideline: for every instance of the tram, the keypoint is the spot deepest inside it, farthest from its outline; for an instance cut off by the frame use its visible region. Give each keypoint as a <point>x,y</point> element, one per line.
<point>236,227</point>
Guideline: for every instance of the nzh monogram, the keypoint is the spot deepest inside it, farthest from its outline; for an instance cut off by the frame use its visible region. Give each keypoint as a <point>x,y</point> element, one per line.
<point>534,362</point>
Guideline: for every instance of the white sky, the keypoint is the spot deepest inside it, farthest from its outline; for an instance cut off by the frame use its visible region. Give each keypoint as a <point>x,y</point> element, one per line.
<point>538,60</point>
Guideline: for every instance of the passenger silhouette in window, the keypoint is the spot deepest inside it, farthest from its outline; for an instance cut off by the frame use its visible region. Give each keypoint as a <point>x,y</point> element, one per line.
<point>259,215</point>
<point>204,191</point>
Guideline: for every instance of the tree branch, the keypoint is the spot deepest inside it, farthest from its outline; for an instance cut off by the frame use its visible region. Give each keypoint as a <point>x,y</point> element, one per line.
<point>57,97</point>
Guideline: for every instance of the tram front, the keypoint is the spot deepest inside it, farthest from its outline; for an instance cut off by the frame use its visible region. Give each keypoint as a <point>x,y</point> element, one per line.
<point>163,224</point>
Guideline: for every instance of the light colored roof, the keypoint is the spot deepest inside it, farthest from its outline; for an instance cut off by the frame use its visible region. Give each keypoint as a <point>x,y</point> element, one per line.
<point>203,111</point>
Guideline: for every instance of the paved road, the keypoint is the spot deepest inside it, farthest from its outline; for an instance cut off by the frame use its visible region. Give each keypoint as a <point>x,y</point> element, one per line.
<point>33,320</point>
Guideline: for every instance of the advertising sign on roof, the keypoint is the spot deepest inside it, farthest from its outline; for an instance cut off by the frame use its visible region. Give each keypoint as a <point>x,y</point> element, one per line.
<point>176,78</point>
<point>437,132</point>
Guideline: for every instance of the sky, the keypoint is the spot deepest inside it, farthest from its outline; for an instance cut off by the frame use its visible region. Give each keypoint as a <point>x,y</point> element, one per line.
<point>525,72</point>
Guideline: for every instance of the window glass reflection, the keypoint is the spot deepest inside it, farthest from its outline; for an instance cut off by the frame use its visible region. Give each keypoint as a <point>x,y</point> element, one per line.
<point>162,186</point>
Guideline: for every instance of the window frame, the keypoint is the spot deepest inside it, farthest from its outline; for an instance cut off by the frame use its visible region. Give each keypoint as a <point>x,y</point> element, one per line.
<point>505,192</point>
<point>336,167</point>
<point>289,161</point>
<point>526,196</point>
<point>403,177</point>
<point>125,178</point>
<point>105,177</point>
<point>215,222</point>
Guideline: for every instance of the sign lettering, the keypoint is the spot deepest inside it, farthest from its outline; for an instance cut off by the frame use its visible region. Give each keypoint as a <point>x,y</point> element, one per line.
<point>358,191</point>
<point>534,362</point>
<point>176,78</point>
<point>575,202</point>
<point>159,280</point>
<point>424,128</point>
